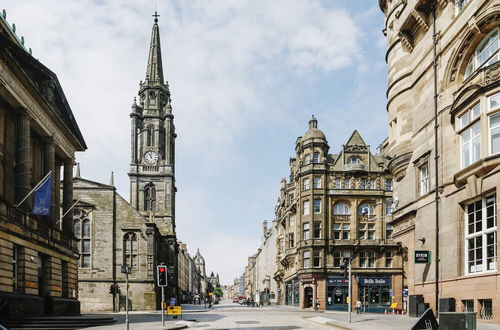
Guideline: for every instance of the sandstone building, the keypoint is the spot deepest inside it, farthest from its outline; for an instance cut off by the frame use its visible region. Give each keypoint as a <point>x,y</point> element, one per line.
<point>444,141</point>
<point>38,134</point>
<point>332,208</point>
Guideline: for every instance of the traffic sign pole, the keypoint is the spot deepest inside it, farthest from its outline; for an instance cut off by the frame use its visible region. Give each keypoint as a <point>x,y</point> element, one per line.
<point>163,306</point>
<point>350,293</point>
<point>126,300</point>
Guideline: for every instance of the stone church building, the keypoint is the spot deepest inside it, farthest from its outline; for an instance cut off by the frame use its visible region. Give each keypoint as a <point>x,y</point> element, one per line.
<point>112,232</point>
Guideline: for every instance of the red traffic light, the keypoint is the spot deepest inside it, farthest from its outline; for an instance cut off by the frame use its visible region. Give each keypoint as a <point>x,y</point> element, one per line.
<point>161,269</point>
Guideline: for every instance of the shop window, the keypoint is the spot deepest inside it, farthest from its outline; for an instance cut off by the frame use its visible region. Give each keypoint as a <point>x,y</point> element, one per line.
<point>481,235</point>
<point>388,259</point>
<point>305,231</point>
<point>316,258</point>
<point>291,240</point>
<point>305,207</point>
<point>316,182</point>
<point>307,257</point>
<point>341,209</point>
<point>486,312</point>
<point>317,229</point>
<point>317,206</point>
<point>306,184</point>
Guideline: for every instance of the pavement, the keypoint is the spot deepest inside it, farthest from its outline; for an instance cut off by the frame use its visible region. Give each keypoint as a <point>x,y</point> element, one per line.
<point>233,316</point>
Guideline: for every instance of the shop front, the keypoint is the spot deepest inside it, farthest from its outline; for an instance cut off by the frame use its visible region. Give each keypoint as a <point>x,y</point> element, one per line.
<point>375,293</point>
<point>292,292</point>
<point>337,294</point>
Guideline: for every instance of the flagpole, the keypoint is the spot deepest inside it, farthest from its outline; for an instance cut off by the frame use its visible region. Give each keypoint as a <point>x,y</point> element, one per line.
<point>72,206</point>
<point>32,190</point>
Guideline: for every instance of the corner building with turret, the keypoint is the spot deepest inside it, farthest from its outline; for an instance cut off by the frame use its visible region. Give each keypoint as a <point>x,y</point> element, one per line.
<point>444,143</point>
<point>335,207</point>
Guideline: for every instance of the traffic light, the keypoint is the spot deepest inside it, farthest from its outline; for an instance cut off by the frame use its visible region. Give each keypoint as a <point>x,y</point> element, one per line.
<point>343,269</point>
<point>161,275</point>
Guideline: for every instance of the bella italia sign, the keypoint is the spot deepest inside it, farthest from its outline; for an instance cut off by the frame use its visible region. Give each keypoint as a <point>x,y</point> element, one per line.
<point>368,281</point>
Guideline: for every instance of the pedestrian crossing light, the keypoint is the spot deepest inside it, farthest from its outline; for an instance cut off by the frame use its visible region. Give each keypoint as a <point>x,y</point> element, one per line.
<point>161,275</point>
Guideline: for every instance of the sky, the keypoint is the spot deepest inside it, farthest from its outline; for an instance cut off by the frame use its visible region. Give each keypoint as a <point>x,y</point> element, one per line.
<point>245,77</point>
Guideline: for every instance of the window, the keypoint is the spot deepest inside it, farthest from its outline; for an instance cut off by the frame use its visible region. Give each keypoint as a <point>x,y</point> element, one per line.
<point>305,207</point>
<point>493,102</point>
<point>337,184</point>
<point>471,144</point>
<point>372,256</point>
<point>150,135</point>
<point>307,257</point>
<point>495,134</point>
<point>317,206</point>
<point>481,235</point>
<point>371,231</point>
<point>353,160</point>
<point>388,231</point>
<point>291,240</point>
<point>307,159</point>
<point>316,157</point>
<point>130,250</point>
<point>388,259</point>
<point>81,228</point>
<point>485,54</point>
<point>460,4</point>
<point>388,207</point>
<point>362,231</point>
<point>149,197</point>
<point>346,183</point>
<point>339,257</point>
<point>372,184</point>
<point>388,184</point>
<point>362,184</point>
<point>292,221</point>
<point>306,184</point>
<point>316,258</point>
<point>423,179</point>
<point>363,259</point>
<point>305,231</point>
<point>341,231</point>
<point>341,209</point>
<point>366,209</point>
<point>316,183</point>
<point>16,257</point>
<point>317,229</point>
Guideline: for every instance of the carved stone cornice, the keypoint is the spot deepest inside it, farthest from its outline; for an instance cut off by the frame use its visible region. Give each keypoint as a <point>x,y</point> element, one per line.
<point>399,164</point>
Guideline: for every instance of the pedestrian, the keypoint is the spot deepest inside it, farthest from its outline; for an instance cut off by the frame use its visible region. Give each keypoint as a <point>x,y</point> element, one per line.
<point>316,304</point>
<point>358,306</point>
<point>257,299</point>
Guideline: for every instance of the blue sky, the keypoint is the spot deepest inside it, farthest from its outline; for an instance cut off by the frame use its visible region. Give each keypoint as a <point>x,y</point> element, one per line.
<point>245,78</point>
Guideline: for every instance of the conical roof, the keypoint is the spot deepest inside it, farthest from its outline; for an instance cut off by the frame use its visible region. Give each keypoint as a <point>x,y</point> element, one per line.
<point>154,71</point>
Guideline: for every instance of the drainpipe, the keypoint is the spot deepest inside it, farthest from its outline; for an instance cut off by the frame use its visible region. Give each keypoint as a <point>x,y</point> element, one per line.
<point>436,155</point>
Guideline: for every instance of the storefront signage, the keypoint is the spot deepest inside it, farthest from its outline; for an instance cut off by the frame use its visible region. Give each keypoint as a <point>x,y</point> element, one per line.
<point>338,291</point>
<point>338,281</point>
<point>374,281</point>
<point>422,256</point>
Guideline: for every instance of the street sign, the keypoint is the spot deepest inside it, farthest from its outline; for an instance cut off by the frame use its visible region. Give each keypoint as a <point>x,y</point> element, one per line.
<point>422,256</point>
<point>126,269</point>
<point>174,310</point>
<point>210,293</point>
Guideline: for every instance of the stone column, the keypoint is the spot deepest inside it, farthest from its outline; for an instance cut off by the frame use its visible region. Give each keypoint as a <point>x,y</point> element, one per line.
<point>51,166</point>
<point>23,159</point>
<point>379,220</point>
<point>68,195</point>
<point>57,199</point>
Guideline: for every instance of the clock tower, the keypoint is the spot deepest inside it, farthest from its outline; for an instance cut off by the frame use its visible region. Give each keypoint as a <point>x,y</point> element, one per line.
<point>152,166</point>
<point>152,163</point>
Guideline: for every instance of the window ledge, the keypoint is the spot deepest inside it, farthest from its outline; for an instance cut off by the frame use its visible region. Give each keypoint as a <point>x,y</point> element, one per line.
<point>479,168</point>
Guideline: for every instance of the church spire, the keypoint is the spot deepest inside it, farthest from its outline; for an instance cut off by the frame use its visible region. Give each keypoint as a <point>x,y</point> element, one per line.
<point>154,71</point>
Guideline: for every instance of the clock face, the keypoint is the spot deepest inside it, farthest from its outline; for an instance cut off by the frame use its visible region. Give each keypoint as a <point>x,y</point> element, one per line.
<point>150,157</point>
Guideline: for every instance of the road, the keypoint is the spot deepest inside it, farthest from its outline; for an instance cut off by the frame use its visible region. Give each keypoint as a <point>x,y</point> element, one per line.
<point>233,316</point>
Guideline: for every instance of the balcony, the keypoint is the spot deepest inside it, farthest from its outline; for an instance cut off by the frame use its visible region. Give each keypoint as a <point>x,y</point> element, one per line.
<point>357,167</point>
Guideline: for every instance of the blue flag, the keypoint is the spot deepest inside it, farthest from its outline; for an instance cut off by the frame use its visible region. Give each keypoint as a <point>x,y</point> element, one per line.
<point>42,198</point>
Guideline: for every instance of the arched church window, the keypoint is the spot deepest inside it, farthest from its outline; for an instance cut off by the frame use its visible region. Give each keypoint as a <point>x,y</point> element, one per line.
<point>485,54</point>
<point>150,134</point>
<point>81,229</point>
<point>150,197</point>
<point>130,249</point>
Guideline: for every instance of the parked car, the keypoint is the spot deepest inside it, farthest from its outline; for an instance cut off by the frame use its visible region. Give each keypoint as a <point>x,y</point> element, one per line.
<point>236,300</point>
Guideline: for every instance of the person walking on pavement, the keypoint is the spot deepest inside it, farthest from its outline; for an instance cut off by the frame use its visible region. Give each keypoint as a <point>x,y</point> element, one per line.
<point>358,306</point>
<point>316,304</point>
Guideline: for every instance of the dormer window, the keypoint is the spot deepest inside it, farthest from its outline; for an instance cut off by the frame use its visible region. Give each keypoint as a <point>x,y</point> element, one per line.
<point>316,157</point>
<point>485,54</point>
<point>353,160</point>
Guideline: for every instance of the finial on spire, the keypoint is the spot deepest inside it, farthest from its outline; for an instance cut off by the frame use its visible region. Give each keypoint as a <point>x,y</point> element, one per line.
<point>156,17</point>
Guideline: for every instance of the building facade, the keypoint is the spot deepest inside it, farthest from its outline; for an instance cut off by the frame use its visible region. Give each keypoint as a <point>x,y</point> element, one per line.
<point>152,164</point>
<point>38,135</point>
<point>334,208</point>
<point>111,233</point>
<point>265,265</point>
<point>444,143</point>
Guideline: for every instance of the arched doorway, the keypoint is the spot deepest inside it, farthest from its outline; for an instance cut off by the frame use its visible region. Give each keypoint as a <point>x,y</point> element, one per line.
<point>308,296</point>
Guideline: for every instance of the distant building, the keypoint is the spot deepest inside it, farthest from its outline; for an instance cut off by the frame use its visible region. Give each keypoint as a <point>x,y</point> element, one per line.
<point>38,135</point>
<point>336,207</point>
<point>265,263</point>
